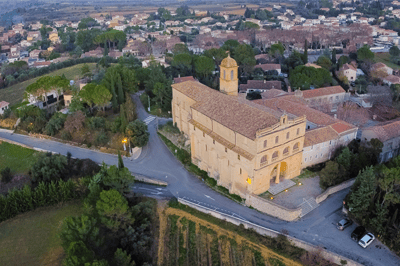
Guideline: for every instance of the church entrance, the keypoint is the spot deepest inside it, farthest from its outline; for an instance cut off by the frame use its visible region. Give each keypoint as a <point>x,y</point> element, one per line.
<point>278,173</point>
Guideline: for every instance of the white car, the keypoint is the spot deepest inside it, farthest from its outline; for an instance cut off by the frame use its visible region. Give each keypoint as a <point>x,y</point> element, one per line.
<point>366,240</point>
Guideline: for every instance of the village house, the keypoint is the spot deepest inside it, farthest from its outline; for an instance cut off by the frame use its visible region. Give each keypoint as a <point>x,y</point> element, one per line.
<point>331,96</point>
<point>98,52</point>
<point>41,64</point>
<point>391,79</point>
<point>349,71</point>
<point>388,134</point>
<point>48,101</point>
<point>382,67</point>
<point>36,26</point>
<point>3,107</point>
<point>53,37</point>
<point>246,147</point>
<point>35,53</point>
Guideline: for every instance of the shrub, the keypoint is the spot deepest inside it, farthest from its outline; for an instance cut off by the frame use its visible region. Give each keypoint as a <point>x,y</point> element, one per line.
<point>101,139</point>
<point>6,175</point>
<point>49,167</point>
<point>96,123</point>
<point>55,124</point>
<point>65,135</point>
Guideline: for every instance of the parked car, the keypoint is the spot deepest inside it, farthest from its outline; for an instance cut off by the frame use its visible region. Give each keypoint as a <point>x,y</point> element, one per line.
<point>358,233</point>
<point>366,240</point>
<point>342,224</point>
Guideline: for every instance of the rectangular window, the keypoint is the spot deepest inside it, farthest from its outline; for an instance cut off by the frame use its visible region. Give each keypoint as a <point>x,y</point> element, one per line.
<point>204,134</point>
<point>226,149</point>
<point>240,170</point>
<point>194,128</point>
<point>238,157</point>
<point>206,147</point>
<point>213,141</point>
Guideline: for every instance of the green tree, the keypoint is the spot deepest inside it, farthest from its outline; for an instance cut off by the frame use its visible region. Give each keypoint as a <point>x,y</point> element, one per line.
<point>363,192</point>
<point>230,46</point>
<point>394,51</point>
<point>331,174</point>
<point>85,71</point>
<point>277,50</point>
<point>244,56</point>
<point>180,48</point>
<point>119,80</point>
<point>138,134</point>
<point>48,168</point>
<point>122,258</point>
<point>305,54</point>
<point>120,161</point>
<point>345,158</point>
<point>204,66</point>
<point>78,254</point>
<point>162,96</point>
<point>55,123</point>
<point>324,62</point>
<point>183,59</point>
<point>216,54</point>
<point>113,210</point>
<point>97,95</point>
<point>364,53</point>
<point>303,77</point>
<point>334,57</point>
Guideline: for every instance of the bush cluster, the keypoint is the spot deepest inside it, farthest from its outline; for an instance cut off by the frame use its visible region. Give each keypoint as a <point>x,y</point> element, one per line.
<point>22,200</point>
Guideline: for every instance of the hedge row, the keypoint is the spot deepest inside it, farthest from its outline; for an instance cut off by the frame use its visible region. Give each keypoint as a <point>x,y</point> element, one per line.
<point>26,199</point>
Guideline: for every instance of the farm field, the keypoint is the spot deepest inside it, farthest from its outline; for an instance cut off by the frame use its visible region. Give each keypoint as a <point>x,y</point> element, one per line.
<point>385,58</point>
<point>15,93</point>
<point>188,240</point>
<point>18,158</point>
<point>32,238</point>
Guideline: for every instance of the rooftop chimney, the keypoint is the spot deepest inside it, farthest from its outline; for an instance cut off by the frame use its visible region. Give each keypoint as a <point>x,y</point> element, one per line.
<point>335,116</point>
<point>265,81</point>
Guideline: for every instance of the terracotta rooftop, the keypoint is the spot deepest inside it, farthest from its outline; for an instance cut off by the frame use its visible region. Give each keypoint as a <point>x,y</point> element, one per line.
<point>272,93</point>
<point>183,79</point>
<point>322,92</point>
<point>319,135</point>
<point>267,67</point>
<point>3,104</point>
<point>347,67</point>
<point>341,127</point>
<point>386,130</point>
<point>392,79</point>
<point>261,85</point>
<point>241,116</point>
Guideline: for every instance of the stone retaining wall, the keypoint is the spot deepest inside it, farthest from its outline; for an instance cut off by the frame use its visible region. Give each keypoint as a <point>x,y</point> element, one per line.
<point>272,208</point>
<point>328,255</point>
<point>334,189</point>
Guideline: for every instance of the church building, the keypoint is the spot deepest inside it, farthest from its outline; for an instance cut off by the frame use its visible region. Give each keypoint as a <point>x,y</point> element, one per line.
<point>246,147</point>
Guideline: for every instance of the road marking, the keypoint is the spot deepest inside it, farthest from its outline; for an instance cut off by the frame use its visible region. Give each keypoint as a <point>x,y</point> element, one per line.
<point>208,197</point>
<point>149,119</point>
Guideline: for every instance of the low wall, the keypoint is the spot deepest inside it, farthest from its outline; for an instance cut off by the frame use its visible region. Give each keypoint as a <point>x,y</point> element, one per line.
<point>272,208</point>
<point>76,144</point>
<point>149,180</point>
<point>334,189</point>
<point>331,256</point>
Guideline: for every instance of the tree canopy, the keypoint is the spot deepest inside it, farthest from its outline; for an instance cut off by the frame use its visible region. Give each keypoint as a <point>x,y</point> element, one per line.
<point>46,84</point>
<point>303,77</point>
<point>364,53</point>
<point>97,95</point>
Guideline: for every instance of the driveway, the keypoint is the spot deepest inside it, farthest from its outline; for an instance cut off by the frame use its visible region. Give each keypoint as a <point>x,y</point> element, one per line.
<point>158,162</point>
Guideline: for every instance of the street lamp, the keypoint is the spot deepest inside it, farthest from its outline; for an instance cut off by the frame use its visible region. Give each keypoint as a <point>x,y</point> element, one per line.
<point>125,140</point>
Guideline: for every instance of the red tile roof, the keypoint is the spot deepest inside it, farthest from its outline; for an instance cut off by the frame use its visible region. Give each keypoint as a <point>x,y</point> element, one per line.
<point>3,104</point>
<point>386,130</point>
<point>261,85</point>
<point>243,117</point>
<point>267,67</point>
<point>322,92</point>
<point>347,66</point>
<point>341,127</point>
<point>319,135</point>
<point>183,79</point>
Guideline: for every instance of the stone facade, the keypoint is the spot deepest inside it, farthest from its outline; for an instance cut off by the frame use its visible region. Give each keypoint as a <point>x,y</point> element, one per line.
<point>243,145</point>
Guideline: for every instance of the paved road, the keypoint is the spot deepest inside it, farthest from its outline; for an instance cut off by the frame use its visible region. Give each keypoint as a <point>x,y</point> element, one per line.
<point>157,161</point>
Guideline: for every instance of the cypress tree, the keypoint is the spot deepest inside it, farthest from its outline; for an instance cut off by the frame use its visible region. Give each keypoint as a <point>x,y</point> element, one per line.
<point>305,55</point>
<point>114,95</point>
<point>121,98</point>
<point>334,56</point>
<point>124,121</point>
<point>120,161</point>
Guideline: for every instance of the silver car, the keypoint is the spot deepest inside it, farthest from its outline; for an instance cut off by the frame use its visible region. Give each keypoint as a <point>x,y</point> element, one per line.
<point>342,224</point>
<point>366,240</point>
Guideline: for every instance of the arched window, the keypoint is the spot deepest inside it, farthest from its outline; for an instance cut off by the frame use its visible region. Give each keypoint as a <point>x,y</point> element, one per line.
<point>275,155</point>
<point>286,151</point>
<point>263,160</point>
<point>296,147</point>
<point>265,143</point>
<point>276,139</point>
<point>224,74</point>
<point>231,74</point>
<point>287,135</point>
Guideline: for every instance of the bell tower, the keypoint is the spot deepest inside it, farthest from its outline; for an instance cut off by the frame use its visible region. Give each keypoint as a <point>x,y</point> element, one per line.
<point>228,76</point>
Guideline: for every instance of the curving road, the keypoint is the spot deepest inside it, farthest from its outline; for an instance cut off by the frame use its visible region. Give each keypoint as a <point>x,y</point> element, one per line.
<point>156,161</point>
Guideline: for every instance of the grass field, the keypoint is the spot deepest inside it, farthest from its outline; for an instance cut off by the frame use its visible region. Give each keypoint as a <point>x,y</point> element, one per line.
<point>32,238</point>
<point>188,240</point>
<point>18,158</point>
<point>14,94</point>
<point>385,58</point>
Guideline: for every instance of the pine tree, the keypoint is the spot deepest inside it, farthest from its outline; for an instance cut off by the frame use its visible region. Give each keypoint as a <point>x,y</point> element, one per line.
<point>124,121</point>
<point>120,161</point>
